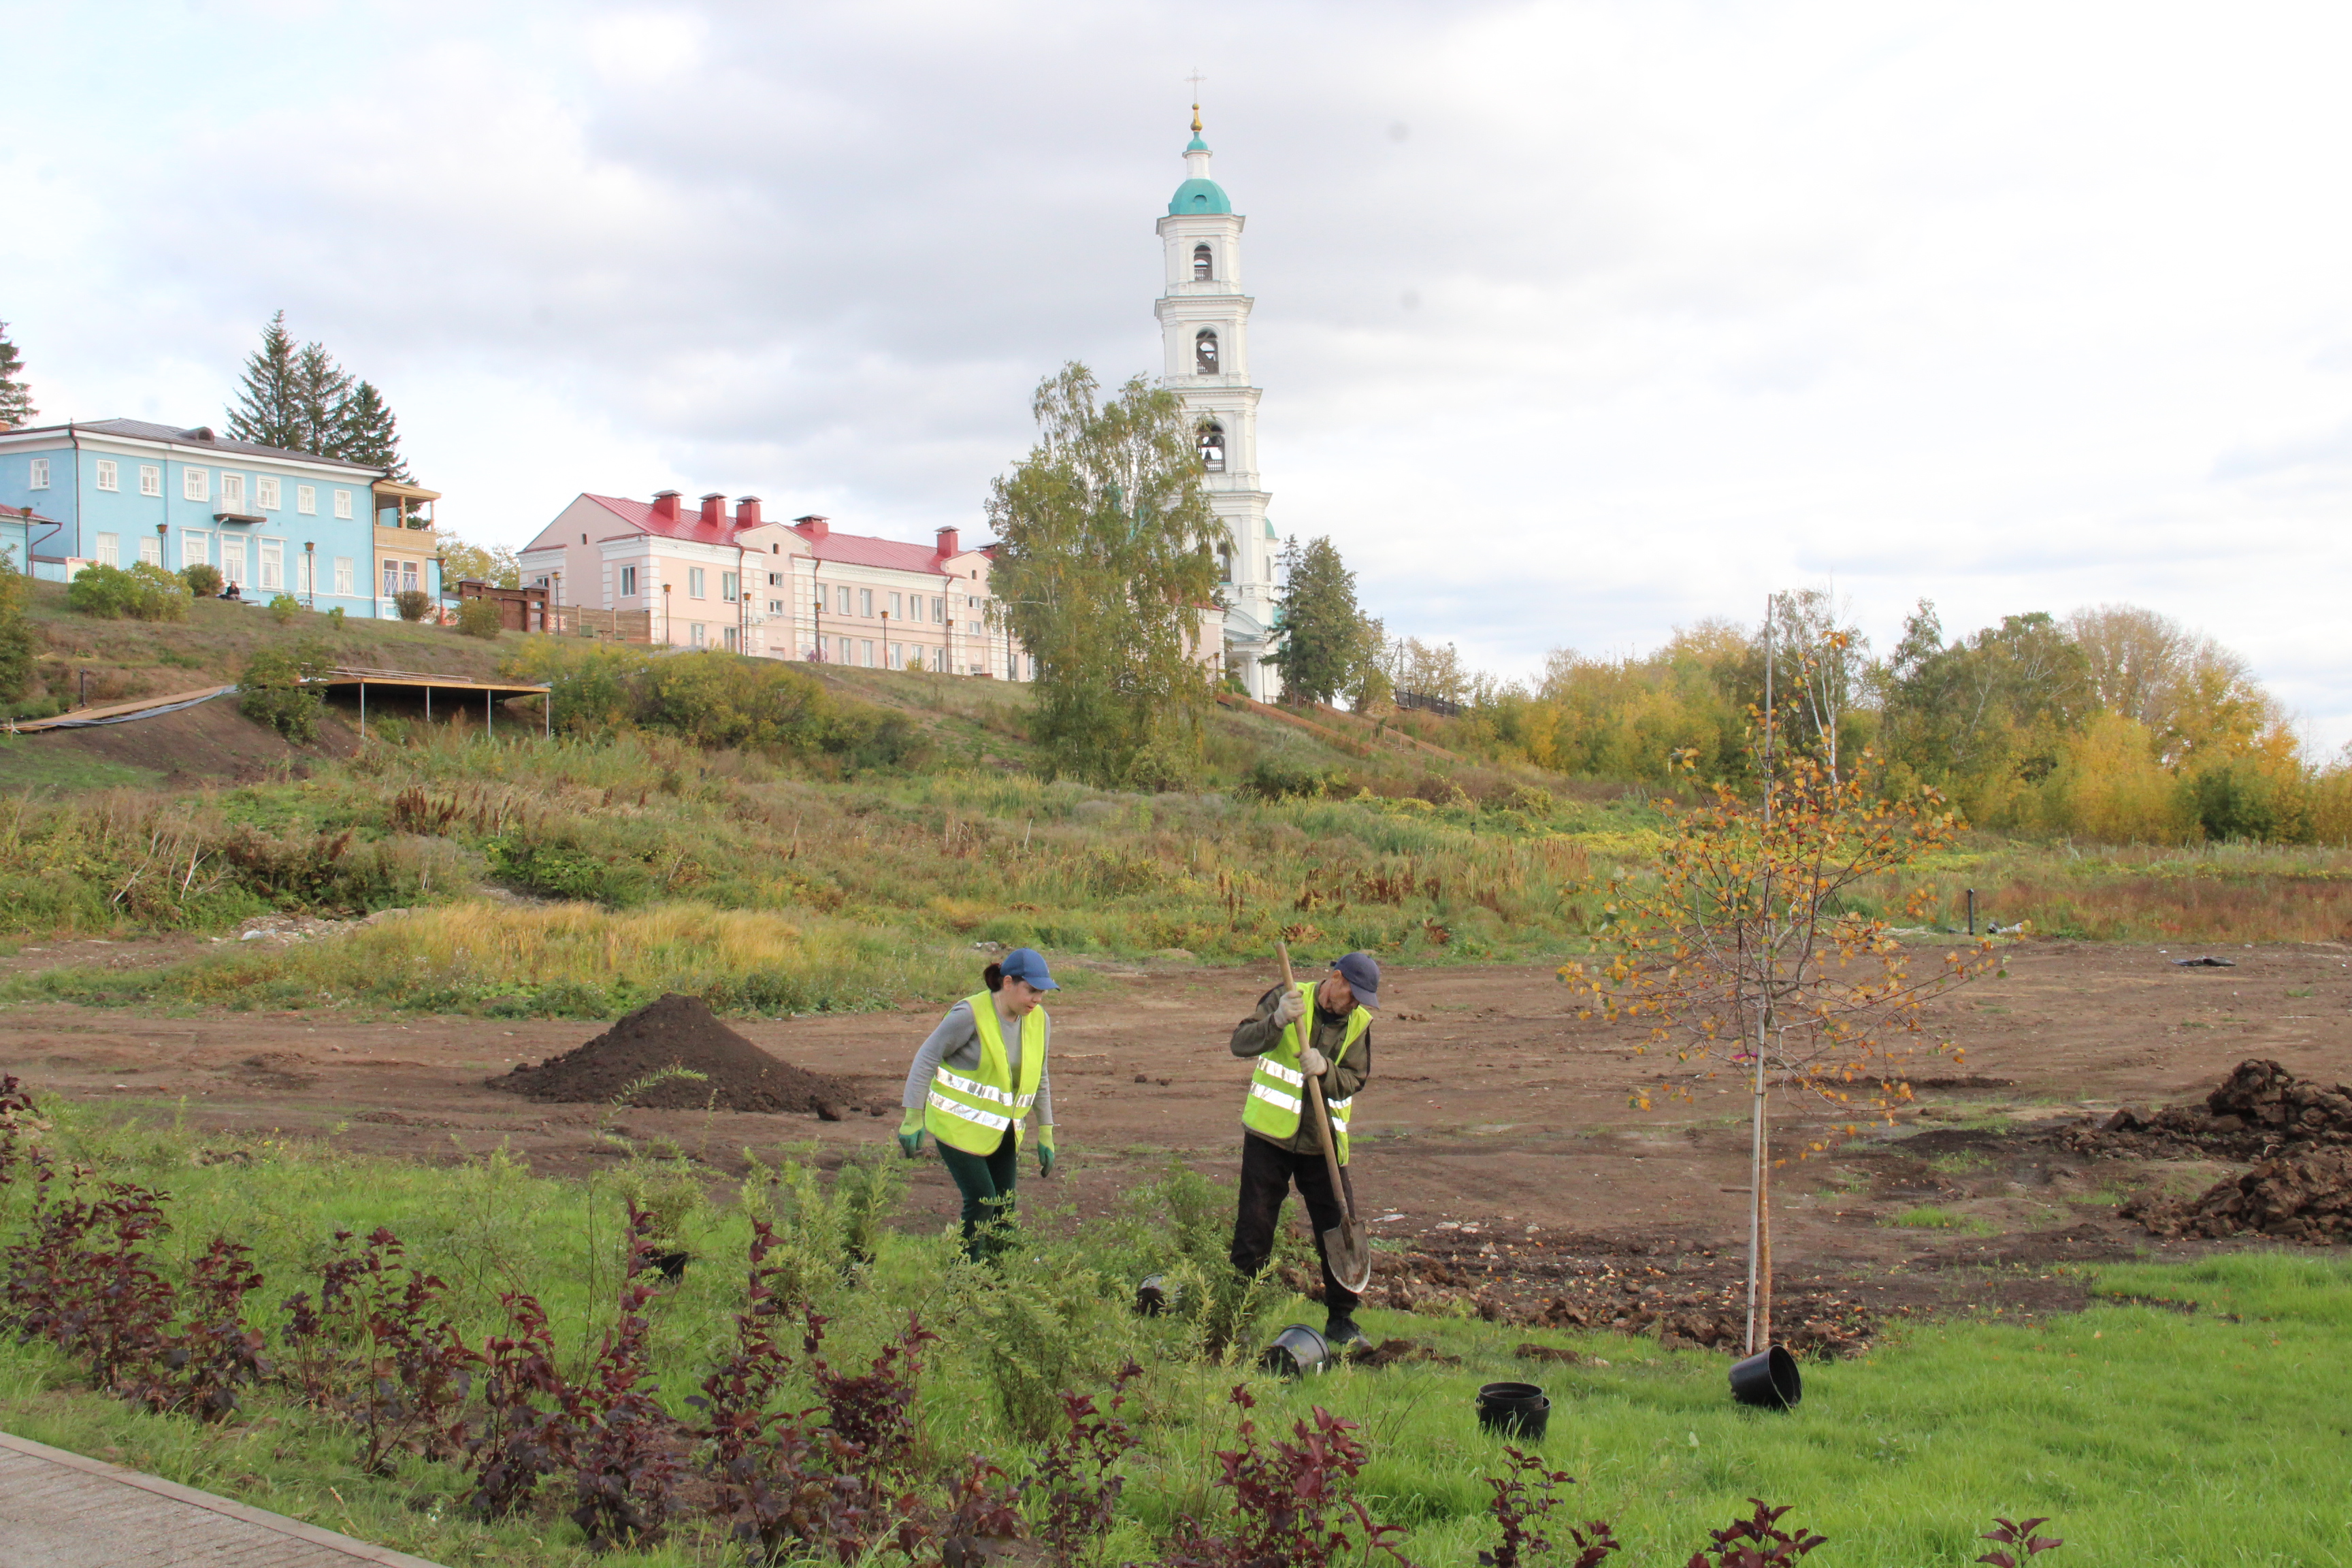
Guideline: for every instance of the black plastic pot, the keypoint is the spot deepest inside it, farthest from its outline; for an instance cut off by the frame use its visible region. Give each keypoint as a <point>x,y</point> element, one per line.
<point>1768,1380</point>
<point>672,1265</point>
<point>1297,1351</point>
<point>1514,1410</point>
<point>1153,1296</point>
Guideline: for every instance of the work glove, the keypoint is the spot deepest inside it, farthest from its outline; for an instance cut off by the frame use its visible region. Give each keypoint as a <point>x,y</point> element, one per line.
<point>1045,1150</point>
<point>911,1131</point>
<point>1311,1063</point>
<point>1290,1009</point>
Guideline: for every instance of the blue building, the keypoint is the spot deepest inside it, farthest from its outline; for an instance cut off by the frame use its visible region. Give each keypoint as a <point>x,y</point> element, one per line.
<point>119,491</point>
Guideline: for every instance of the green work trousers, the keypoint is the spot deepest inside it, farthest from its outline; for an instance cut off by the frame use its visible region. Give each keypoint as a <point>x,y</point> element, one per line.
<point>986,1183</point>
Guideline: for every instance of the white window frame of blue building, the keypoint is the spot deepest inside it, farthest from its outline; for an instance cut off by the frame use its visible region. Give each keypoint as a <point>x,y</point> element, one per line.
<point>151,549</point>
<point>110,550</point>
<point>195,484</point>
<point>196,548</point>
<point>271,568</point>
<point>232,489</point>
<point>346,576</point>
<point>107,474</point>
<point>37,474</point>
<point>343,504</point>
<point>266,493</point>
<point>306,499</point>
<point>151,479</point>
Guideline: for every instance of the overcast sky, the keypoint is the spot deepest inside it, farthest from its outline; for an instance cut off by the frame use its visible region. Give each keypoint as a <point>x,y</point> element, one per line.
<point>1576,322</point>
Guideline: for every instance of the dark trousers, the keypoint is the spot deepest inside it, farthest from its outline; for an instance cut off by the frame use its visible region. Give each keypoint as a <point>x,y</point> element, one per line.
<point>986,1183</point>
<point>1267,1172</point>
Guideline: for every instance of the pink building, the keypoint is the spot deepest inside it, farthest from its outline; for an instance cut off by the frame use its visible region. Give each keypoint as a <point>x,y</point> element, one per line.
<point>716,578</point>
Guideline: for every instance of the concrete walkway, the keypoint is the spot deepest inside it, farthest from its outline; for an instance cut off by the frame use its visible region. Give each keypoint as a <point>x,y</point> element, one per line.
<point>60,1510</point>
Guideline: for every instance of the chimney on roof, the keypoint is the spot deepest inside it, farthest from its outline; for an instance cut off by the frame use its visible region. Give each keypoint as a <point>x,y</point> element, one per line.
<point>747,511</point>
<point>814,527</point>
<point>665,505</point>
<point>948,545</point>
<point>714,508</point>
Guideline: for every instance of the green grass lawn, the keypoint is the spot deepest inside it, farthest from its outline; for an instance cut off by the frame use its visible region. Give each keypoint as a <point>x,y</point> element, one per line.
<point>2153,1432</point>
<point>27,767</point>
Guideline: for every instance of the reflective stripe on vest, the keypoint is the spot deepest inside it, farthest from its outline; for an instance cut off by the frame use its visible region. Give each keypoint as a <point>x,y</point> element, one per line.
<point>971,1113</point>
<point>1278,1088</point>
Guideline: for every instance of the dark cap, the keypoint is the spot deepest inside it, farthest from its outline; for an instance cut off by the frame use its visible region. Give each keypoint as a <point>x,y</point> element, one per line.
<point>1363,973</point>
<point>1027,963</point>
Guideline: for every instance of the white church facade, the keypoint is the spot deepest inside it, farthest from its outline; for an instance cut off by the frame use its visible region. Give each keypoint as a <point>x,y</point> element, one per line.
<point>1205,336</point>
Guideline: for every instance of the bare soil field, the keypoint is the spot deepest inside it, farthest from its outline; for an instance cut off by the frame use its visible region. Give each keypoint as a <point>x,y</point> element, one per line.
<point>1498,1156</point>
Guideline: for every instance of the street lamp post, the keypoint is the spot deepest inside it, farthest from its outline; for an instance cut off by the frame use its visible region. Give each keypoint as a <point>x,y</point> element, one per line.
<point>309,573</point>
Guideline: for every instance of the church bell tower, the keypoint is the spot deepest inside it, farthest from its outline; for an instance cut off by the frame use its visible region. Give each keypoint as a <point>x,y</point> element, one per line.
<point>1204,330</point>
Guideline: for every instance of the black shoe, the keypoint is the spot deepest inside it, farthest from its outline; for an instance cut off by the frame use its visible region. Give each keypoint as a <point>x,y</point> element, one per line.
<point>1341,1332</point>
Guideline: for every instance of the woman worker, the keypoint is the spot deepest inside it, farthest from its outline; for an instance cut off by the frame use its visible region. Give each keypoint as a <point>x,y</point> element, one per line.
<point>972,1082</point>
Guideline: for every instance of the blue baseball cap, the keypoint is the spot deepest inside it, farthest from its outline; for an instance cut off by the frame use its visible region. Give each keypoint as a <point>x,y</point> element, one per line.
<point>1027,964</point>
<point>1363,973</point>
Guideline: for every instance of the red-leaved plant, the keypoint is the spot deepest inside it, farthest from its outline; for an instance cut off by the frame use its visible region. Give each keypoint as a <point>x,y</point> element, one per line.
<point>626,1476</point>
<point>524,1431</point>
<point>1755,1541</point>
<point>1293,1506</point>
<point>1524,1498</point>
<point>1079,1470</point>
<point>84,1279</point>
<point>211,1352</point>
<point>2006,1532</point>
<point>373,1349</point>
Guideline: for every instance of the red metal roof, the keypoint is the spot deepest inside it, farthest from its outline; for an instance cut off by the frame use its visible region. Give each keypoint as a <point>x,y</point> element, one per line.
<point>847,548</point>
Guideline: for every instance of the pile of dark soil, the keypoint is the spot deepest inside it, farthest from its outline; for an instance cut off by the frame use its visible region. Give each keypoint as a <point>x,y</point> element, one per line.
<point>2260,1108</point>
<point>2305,1197</point>
<point>679,1031</point>
<point>1397,1352</point>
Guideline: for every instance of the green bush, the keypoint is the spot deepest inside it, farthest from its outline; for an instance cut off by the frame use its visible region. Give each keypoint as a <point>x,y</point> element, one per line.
<point>284,608</point>
<point>275,692</point>
<point>335,617</point>
<point>16,634</point>
<point>413,604</point>
<point>1271,778</point>
<point>478,619</point>
<point>202,581</point>
<point>559,867</point>
<point>144,592</point>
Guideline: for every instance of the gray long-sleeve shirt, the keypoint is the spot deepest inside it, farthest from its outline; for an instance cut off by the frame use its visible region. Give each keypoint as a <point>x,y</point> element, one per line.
<point>956,1043</point>
<point>1258,1034</point>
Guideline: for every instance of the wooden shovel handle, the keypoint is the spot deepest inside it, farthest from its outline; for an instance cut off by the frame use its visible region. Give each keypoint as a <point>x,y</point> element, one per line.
<point>1315,1097</point>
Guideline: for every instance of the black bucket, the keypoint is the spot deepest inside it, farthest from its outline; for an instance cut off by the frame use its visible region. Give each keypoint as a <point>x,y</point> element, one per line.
<point>1154,1297</point>
<point>672,1265</point>
<point>1297,1351</point>
<point>1514,1410</point>
<point>1768,1380</point>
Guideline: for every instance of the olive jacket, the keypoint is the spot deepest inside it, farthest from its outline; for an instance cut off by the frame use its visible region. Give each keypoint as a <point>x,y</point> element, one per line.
<point>1258,1034</point>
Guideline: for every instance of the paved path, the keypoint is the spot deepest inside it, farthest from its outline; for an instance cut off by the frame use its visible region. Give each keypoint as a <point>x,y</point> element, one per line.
<point>60,1510</point>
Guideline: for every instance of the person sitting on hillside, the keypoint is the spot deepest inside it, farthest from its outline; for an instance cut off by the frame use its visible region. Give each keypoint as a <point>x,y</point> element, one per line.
<point>972,1082</point>
<point>230,591</point>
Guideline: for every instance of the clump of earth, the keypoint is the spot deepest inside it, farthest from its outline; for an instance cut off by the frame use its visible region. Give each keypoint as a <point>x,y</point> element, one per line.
<point>678,1032</point>
<point>2298,1133</point>
<point>2260,1108</point>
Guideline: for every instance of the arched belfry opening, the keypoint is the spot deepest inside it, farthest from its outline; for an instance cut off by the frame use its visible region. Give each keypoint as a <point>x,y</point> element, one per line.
<point>1204,351</point>
<point>1204,264</point>
<point>1213,447</point>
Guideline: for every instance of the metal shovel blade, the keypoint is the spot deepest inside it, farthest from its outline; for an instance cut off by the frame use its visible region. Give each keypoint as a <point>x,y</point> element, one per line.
<point>1350,1257</point>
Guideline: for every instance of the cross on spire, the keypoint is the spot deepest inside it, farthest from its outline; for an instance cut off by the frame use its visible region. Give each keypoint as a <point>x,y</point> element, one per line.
<point>1196,79</point>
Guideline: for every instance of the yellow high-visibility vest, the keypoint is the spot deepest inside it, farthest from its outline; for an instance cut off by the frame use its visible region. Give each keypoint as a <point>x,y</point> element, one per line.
<point>971,1114</point>
<point>1278,1090</point>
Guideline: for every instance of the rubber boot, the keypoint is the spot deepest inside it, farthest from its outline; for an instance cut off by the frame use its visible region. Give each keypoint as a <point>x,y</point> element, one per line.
<point>1341,1333</point>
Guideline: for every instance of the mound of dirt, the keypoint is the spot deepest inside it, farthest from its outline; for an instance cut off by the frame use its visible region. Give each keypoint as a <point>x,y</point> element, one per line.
<point>2305,1197</point>
<point>2260,1108</point>
<point>677,1031</point>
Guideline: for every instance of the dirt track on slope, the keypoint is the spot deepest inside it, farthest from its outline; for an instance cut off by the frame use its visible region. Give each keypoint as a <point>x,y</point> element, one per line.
<point>1498,1150</point>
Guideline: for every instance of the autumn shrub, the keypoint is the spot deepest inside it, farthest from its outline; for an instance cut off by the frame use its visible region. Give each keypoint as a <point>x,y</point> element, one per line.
<point>374,1347</point>
<point>1295,1504</point>
<point>624,1477</point>
<point>284,607</point>
<point>203,579</point>
<point>413,604</point>
<point>480,618</point>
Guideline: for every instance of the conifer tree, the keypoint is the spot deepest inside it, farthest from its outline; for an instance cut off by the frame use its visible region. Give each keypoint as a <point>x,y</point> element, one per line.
<point>368,434</point>
<point>16,397</point>
<point>322,389</point>
<point>1325,638</point>
<point>267,411</point>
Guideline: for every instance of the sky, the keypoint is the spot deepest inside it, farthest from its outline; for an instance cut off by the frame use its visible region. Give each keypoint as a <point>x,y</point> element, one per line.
<point>1576,322</point>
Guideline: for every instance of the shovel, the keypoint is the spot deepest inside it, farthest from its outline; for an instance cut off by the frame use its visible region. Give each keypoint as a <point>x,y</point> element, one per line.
<point>1344,1248</point>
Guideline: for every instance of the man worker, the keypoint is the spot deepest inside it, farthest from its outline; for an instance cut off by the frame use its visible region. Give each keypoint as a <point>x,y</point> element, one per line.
<point>1280,1144</point>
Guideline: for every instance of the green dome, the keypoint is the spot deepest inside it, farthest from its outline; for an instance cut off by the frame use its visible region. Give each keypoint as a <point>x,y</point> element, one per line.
<point>1195,196</point>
